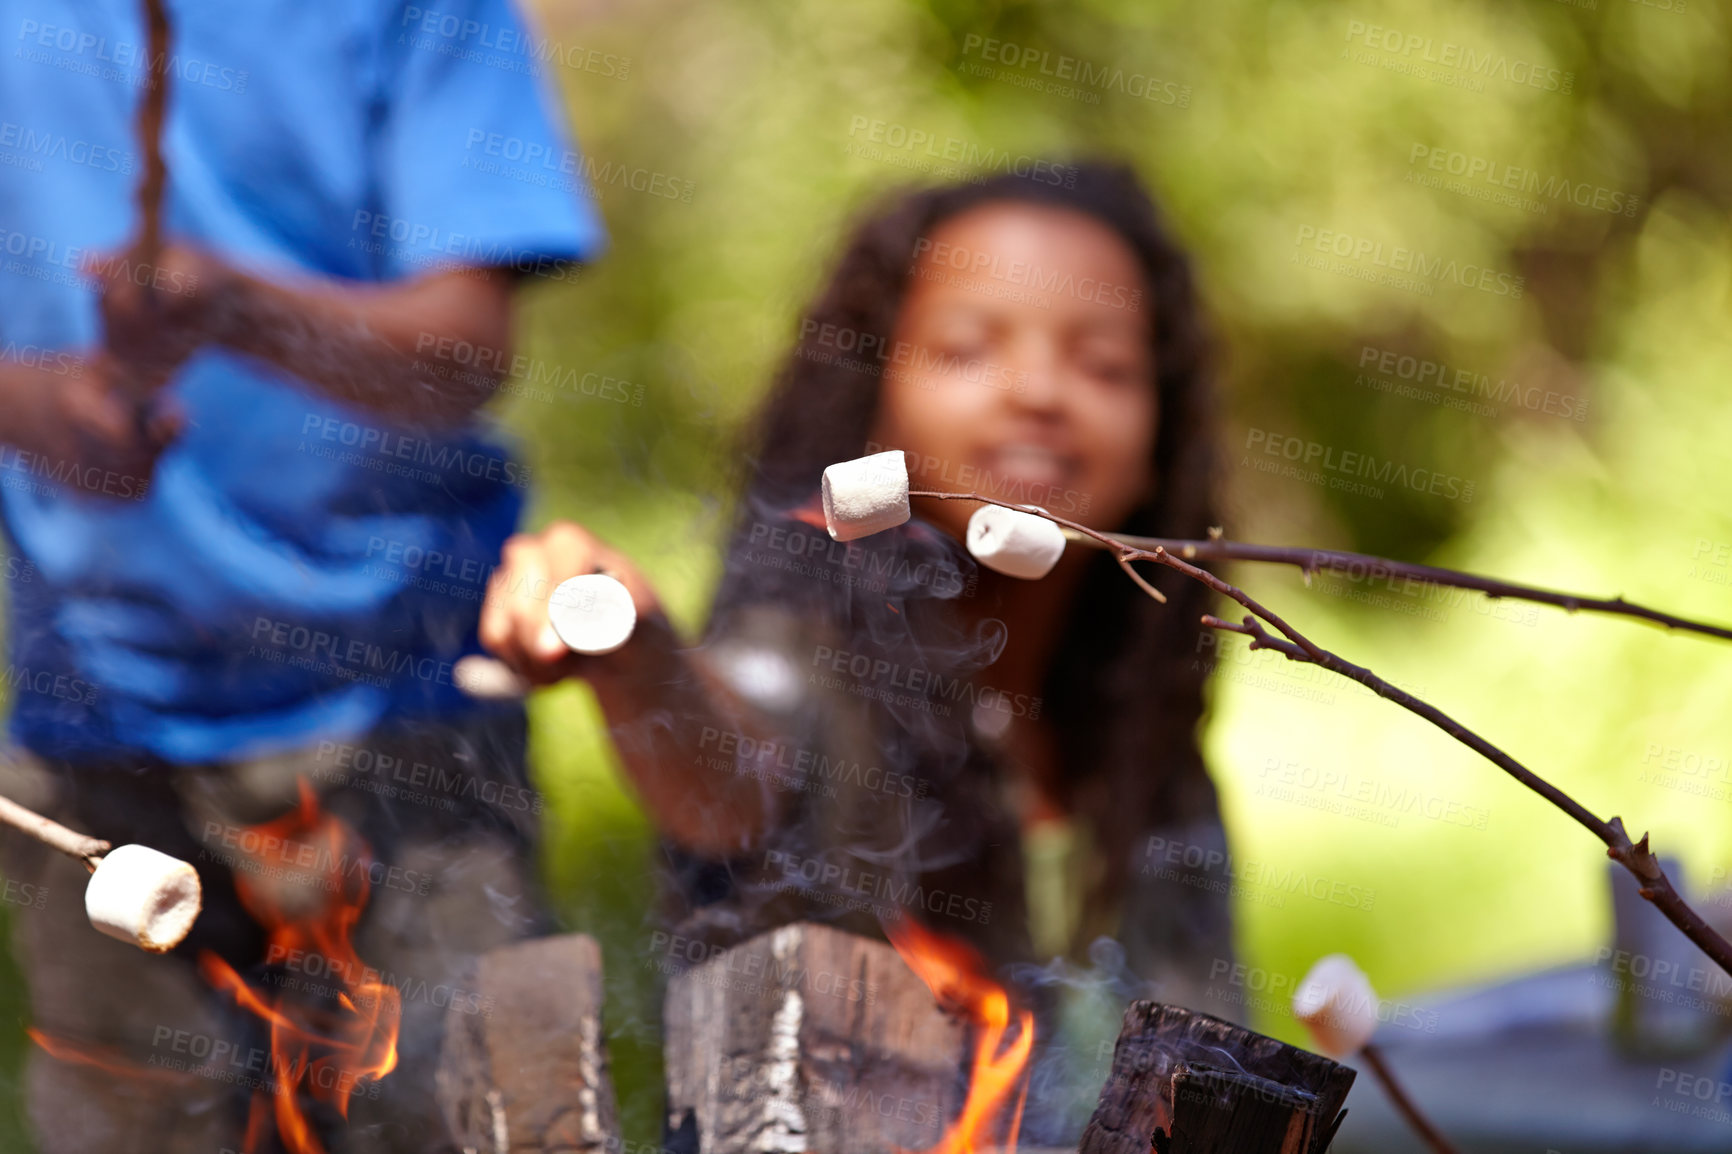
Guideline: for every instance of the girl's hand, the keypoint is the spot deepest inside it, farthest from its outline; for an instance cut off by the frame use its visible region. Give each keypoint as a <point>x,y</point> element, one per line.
<point>659,700</point>
<point>514,619</point>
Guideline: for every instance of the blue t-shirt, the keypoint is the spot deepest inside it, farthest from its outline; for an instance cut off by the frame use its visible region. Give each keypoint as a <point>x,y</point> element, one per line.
<point>297,569</point>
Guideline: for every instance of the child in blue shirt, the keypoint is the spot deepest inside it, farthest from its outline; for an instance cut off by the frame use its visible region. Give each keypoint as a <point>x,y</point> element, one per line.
<point>229,480</point>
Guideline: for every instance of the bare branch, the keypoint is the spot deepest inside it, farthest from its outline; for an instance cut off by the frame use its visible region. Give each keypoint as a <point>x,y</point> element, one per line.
<point>1309,561</point>
<point>1636,856</point>
<point>1125,564</point>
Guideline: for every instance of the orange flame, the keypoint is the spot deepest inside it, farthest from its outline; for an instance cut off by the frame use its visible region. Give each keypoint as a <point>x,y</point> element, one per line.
<point>811,513</point>
<point>331,1053</point>
<point>308,888</point>
<point>103,1058</point>
<point>957,978</point>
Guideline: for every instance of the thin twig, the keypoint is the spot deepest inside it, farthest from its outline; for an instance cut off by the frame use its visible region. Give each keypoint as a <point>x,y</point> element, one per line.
<point>1309,561</point>
<point>1125,564</point>
<point>1428,1133</point>
<point>52,833</point>
<point>1636,856</point>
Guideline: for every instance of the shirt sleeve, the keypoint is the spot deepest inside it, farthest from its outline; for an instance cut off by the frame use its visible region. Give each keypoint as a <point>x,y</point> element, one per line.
<point>477,165</point>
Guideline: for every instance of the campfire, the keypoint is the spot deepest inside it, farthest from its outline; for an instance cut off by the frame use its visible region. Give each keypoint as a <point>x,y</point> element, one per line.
<point>761,1057</point>
<point>807,1038</point>
<point>329,1040</point>
<point>957,979</point>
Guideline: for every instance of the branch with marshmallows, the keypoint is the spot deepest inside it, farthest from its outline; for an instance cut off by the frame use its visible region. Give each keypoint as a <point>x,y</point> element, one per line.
<point>871,494</point>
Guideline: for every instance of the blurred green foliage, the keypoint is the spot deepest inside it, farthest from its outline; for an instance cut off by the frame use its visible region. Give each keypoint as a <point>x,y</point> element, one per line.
<point>1261,127</point>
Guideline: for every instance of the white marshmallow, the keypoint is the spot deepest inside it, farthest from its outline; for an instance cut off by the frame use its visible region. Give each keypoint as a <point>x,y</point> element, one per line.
<point>487,678</point>
<point>592,613</point>
<point>1014,543</point>
<point>143,897</point>
<point>866,495</point>
<point>1338,1005</point>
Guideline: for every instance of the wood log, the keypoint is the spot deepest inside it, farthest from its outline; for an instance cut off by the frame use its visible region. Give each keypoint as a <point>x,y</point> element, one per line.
<point>809,1038</point>
<point>1188,1083</point>
<point>525,1070</point>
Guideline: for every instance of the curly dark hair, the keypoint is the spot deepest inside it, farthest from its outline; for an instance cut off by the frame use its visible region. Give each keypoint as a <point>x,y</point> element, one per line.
<point>1125,690</point>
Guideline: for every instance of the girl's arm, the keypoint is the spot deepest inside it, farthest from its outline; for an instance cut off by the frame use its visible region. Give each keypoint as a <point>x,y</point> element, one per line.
<point>673,720</point>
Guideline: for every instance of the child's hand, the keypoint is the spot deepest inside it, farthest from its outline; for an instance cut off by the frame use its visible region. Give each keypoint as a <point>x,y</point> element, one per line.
<point>514,619</point>
<point>156,316</point>
<point>99,432</point>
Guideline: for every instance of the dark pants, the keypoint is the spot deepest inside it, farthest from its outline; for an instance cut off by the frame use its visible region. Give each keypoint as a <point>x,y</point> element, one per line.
<point>449,826</point>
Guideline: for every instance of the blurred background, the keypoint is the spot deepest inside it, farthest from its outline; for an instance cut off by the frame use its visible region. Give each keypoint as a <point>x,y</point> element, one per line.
<point>1482,242</point>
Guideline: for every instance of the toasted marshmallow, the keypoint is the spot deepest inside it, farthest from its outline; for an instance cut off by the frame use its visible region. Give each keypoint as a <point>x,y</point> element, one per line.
<point>592,613</point>
<point>1338,1005</point>
<point>866,495</point>
<point>145,898</point>
<point>1014,543</point>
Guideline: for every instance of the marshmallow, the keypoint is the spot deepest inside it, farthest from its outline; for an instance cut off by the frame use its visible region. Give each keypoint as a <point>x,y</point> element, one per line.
<point>593,613</point>
<point>487,678</point>
<point>866,495</point>
<point>1014,543</point>
<point>143,897</point>
<point>1338,1005</point>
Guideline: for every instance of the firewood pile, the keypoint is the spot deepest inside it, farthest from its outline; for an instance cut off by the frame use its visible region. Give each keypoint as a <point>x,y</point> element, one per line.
<point>811,1040</point>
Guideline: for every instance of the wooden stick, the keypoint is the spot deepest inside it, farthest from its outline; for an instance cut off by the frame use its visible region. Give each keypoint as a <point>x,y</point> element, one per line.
<point>153,173</point>
<point>1428,1133</point>
<point>52,833</point>
<point>1634,856</point>
<point>152,110</point>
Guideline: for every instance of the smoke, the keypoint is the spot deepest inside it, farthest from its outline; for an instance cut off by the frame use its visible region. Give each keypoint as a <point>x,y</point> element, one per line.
<point>868,678</point>
<point>1073,1054</point>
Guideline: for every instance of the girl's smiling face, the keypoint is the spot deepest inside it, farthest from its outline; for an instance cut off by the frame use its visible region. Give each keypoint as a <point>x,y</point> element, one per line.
<point>1022,366</point>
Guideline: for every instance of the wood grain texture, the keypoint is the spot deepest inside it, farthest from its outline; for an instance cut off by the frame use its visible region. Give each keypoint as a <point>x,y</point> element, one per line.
<point>809,1039</point>
<point>1187,1083</point>
<point>526,1070</point>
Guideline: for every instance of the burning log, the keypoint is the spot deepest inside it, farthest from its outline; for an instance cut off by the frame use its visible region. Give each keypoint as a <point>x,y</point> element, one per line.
<point>1187,1083</point>
<point>808,1038</point>
<point>529,1073</point>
